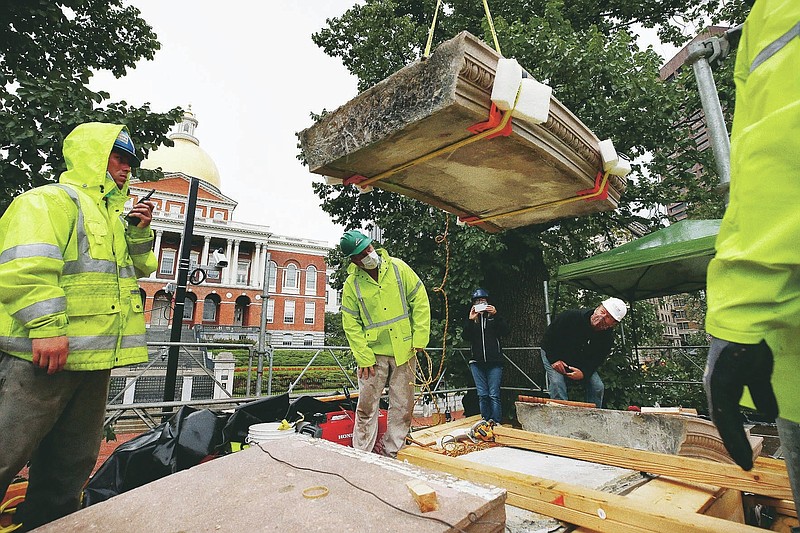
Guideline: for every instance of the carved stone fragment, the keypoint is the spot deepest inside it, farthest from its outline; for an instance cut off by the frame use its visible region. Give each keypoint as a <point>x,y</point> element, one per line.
<point>410,131</point>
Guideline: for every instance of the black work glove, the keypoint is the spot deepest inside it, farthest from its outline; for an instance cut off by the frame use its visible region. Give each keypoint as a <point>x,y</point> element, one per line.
<point>729,368</point>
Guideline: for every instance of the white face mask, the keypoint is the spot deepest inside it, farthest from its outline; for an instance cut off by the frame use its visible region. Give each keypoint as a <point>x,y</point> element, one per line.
<point>371,260</point>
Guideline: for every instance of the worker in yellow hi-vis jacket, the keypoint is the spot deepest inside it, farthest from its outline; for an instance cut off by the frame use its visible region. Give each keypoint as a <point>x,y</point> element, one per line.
<point>754,279</point>
<point>386,317</point>
<point>70,310</point>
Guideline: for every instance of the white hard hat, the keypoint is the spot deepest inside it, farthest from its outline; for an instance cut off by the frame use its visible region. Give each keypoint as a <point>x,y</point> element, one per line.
<point>616,308</point>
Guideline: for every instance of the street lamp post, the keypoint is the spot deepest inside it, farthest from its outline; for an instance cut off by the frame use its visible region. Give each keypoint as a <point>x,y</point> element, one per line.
<point>263,345</point>
<point>180,295</point>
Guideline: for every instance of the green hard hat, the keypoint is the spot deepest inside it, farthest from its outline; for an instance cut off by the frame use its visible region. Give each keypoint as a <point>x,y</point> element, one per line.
<point>354,242</point>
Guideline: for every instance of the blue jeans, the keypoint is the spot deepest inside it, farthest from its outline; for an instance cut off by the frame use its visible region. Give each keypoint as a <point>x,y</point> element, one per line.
<point>487,382</point>
<point>557,384</point>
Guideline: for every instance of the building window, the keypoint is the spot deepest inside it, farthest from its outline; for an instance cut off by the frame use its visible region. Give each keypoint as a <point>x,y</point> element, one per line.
<point>311,280</point>
<point>273,276</point>
<point>291,278</point>
<point>287,339</point>
<point>288,312</point>
<point>219,215</point>
<point>175,209</point>
<point>188,309</point>
<point>310,311</point>
<point>308,340</point>
<point>167,263</point>
<point>270,310</point>
<point>199,213</point>
<point>209,310</point>
<point>194,260</point>
<point>243,272</point>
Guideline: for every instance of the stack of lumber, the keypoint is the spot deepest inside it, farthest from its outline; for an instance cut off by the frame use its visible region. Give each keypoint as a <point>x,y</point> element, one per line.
<point>689,494</point>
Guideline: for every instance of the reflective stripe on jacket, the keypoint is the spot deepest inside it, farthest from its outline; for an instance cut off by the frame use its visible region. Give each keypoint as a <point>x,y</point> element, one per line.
<point>68,266</point>
<point>390,316</point>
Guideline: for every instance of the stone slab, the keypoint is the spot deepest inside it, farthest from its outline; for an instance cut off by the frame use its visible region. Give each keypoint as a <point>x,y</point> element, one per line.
<point>263,490</point>
<point>562,469</point>
<point>663,433</point>
<point>427,106</point>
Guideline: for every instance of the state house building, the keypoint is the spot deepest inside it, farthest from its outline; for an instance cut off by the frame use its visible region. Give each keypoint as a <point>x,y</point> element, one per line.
<point>227,305</point>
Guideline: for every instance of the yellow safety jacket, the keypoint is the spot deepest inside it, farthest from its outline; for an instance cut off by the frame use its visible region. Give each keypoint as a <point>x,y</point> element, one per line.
<point>69,265</point>
<point>754,279</point>
<point>391,316</point>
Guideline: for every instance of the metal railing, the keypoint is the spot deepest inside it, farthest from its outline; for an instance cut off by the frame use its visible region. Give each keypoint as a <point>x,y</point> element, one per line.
<point>250,384</point>
<point>668,372</point>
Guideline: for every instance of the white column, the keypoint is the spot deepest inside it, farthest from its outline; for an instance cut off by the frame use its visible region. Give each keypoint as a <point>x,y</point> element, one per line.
<point>186,388</point>
<point>157,245</point>
<point>157,250</point>
<point>226,272</point>
<point>254,265</point>
<point>130,392</point>
<point>262,266</point>
<point>234,262</point>
<point>224,365</point>
<point>206,246</point>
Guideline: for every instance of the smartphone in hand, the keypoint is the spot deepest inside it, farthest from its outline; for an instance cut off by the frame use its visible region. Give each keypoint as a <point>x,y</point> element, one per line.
<point>131,218</point>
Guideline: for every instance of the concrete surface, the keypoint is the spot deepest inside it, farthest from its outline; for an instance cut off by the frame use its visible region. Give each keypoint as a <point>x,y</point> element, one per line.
<point>663,433</point>
<point>263,490</point>
<point>562,469</point>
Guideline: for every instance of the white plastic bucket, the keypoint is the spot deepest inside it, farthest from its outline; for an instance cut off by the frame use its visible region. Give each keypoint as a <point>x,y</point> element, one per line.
<point>266,432</point>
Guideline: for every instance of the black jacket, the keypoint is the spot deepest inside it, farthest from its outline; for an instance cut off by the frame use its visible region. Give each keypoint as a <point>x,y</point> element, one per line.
<point>484,337</point>
<point>570,338</point>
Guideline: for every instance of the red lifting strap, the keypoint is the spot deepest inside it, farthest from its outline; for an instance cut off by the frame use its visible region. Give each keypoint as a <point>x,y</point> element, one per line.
<point>495,117</point>
<point>598,183</point>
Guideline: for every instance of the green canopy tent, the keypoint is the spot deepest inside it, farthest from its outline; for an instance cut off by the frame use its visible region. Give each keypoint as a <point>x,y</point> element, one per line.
<point>668,261</point>
<point>672,260</point>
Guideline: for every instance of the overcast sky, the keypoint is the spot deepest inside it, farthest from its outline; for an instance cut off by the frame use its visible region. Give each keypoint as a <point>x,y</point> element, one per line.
<point>252,75</point>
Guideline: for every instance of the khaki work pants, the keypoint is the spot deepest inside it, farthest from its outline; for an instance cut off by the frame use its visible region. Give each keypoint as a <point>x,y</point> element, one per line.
<point>56,422</point>
<point>401,406</point>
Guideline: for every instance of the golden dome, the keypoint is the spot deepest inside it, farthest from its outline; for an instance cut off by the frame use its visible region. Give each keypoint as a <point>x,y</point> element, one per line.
<point>186,156</point>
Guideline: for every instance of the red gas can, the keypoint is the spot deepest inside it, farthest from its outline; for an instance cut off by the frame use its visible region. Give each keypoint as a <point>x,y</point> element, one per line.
<point>338,427</point>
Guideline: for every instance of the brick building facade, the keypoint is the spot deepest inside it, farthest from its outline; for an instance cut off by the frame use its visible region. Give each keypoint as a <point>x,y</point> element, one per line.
<point>227,304</point>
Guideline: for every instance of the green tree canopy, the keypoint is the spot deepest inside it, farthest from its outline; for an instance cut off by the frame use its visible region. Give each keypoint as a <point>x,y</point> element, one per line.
<point>586,51</point>
<point>48,51</point>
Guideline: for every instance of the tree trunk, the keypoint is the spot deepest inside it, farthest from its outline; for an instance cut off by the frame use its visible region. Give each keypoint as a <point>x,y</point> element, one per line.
<point>517,288</point>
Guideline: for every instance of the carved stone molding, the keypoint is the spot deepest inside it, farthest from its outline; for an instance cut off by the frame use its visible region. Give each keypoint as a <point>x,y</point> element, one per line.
<point>410,132</point>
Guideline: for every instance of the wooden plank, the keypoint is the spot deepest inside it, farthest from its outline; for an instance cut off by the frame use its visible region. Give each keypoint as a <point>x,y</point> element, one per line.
<point>577,505</point>
<point>767,481</point>
<point>536,399</point>
<point>429,435</point>
<point>727,506</point>
<point>786,507</point>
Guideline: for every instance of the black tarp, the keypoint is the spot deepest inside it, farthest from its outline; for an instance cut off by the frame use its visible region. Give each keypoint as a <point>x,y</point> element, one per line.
<point>192,436</point>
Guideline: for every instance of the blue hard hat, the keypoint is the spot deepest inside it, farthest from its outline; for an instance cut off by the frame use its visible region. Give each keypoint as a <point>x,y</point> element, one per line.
<point>479,293</point>
<point>124,143</point>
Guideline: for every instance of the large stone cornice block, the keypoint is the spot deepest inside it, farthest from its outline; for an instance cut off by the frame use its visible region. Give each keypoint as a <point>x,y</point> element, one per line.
<point>428,106</point>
